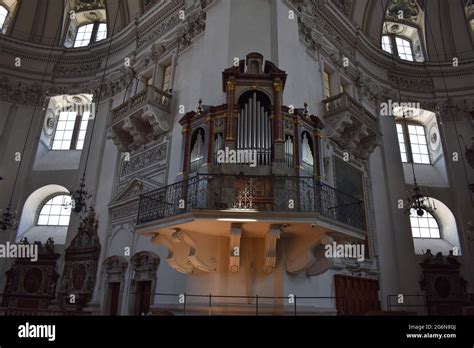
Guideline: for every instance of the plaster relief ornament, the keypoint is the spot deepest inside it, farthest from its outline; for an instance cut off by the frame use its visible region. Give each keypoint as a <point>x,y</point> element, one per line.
<point>409,8</point>
<point>49,123</point>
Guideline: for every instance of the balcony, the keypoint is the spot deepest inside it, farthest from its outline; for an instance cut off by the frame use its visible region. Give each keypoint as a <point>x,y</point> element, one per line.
<point>140,119</point>
<point>351,125</point>
<point>237,195</point>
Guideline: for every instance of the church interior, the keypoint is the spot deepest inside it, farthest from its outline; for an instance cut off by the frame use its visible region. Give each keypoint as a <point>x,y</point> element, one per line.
<point>223,157</point>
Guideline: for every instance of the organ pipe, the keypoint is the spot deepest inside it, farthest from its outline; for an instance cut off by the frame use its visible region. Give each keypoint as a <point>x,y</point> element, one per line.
<point>254,129</point>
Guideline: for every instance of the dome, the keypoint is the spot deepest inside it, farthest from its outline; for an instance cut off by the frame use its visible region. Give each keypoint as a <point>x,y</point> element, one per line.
<point>444,32</point>
<point>37,21</point>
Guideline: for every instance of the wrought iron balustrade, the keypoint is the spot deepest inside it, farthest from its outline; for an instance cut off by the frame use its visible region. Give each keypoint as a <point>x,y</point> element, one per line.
<point>247,193</point>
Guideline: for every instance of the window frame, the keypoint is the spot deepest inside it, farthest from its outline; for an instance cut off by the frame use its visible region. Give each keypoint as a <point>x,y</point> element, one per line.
<point>44,202</point>
<point>394,46</point>
<point>93,38</point>
<point>420,217</point>
<point>2,27</point>
<point>79,119</point>
<point>406,137</point>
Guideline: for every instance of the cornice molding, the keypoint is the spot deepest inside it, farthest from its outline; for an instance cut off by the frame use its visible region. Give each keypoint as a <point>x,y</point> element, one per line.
<point>326,33</point>
<point>81,70</point>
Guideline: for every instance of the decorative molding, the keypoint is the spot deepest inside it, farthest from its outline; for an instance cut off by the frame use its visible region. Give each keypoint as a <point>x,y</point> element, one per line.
<point>186,238</point>
<point>115,268</point>
<point>145,265</point>
<point>177,253</point>
<point>271,238</point>
<point>144,159</point>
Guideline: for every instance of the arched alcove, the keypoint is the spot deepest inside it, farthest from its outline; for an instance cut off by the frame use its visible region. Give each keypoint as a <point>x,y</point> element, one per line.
<point>449,237</point>
<point>28,222</point>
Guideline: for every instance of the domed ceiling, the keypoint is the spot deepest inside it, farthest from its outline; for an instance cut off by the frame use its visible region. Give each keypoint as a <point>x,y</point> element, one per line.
<point>446,28</point>
<point>37,21</point>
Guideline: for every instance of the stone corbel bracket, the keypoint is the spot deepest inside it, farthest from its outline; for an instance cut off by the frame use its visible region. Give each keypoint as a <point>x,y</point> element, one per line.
<point>157,119</point>
<point>234,247</point>
<point>320,264</point>
<point>177,253</point>
<point>120,138</point>
<point>271,238</point>
<point>303,254</point>
<point>190,242</point>
<point>130,126</point>
<point>337,125</point>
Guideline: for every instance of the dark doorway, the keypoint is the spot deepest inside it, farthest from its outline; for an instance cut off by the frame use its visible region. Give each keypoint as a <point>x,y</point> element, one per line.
<point>142,297</point>
<point>113,295</point>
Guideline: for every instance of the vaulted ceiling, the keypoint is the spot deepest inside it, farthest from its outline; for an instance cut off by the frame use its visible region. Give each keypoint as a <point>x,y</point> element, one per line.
<point>37,21</point>
<point>447,30</point>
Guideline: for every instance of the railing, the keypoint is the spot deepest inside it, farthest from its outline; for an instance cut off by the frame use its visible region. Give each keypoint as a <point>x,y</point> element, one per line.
<point>243,193</point>
<point>150,94</point>
<point>410,303</point>
<point>194,304</point>
<point>344,101</point>
<point>30,312</point>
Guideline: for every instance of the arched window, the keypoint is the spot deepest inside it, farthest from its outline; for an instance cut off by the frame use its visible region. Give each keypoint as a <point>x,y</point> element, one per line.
<point>3,16</point>
<point>412,142</point>
<point>402,31</point>
<point>55,212</point>
<point>8,10</point>
<point>424,226</point>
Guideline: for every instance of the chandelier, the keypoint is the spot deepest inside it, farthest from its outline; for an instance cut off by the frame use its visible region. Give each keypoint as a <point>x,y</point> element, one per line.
<point>8,218</point>
<point>79,197</point>
<point>419,202</point>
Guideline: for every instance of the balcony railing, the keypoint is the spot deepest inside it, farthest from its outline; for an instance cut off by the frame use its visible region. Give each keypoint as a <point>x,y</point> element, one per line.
<point>150,95</point>
<point>251,193</point>
<point>351,125</point>
<point>344,102</point>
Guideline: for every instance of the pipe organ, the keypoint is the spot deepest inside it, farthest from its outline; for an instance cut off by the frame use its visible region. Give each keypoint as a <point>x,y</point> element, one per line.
<point>218,145</point>
<point>289,151</point>
<point>197,150</point>
<point>254,129</point>
<point>307,155</point>
<point>248,126</point>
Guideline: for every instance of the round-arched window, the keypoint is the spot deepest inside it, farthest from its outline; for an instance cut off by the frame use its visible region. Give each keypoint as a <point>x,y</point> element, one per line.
<point>55,212</point>
<point>424,226</point>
